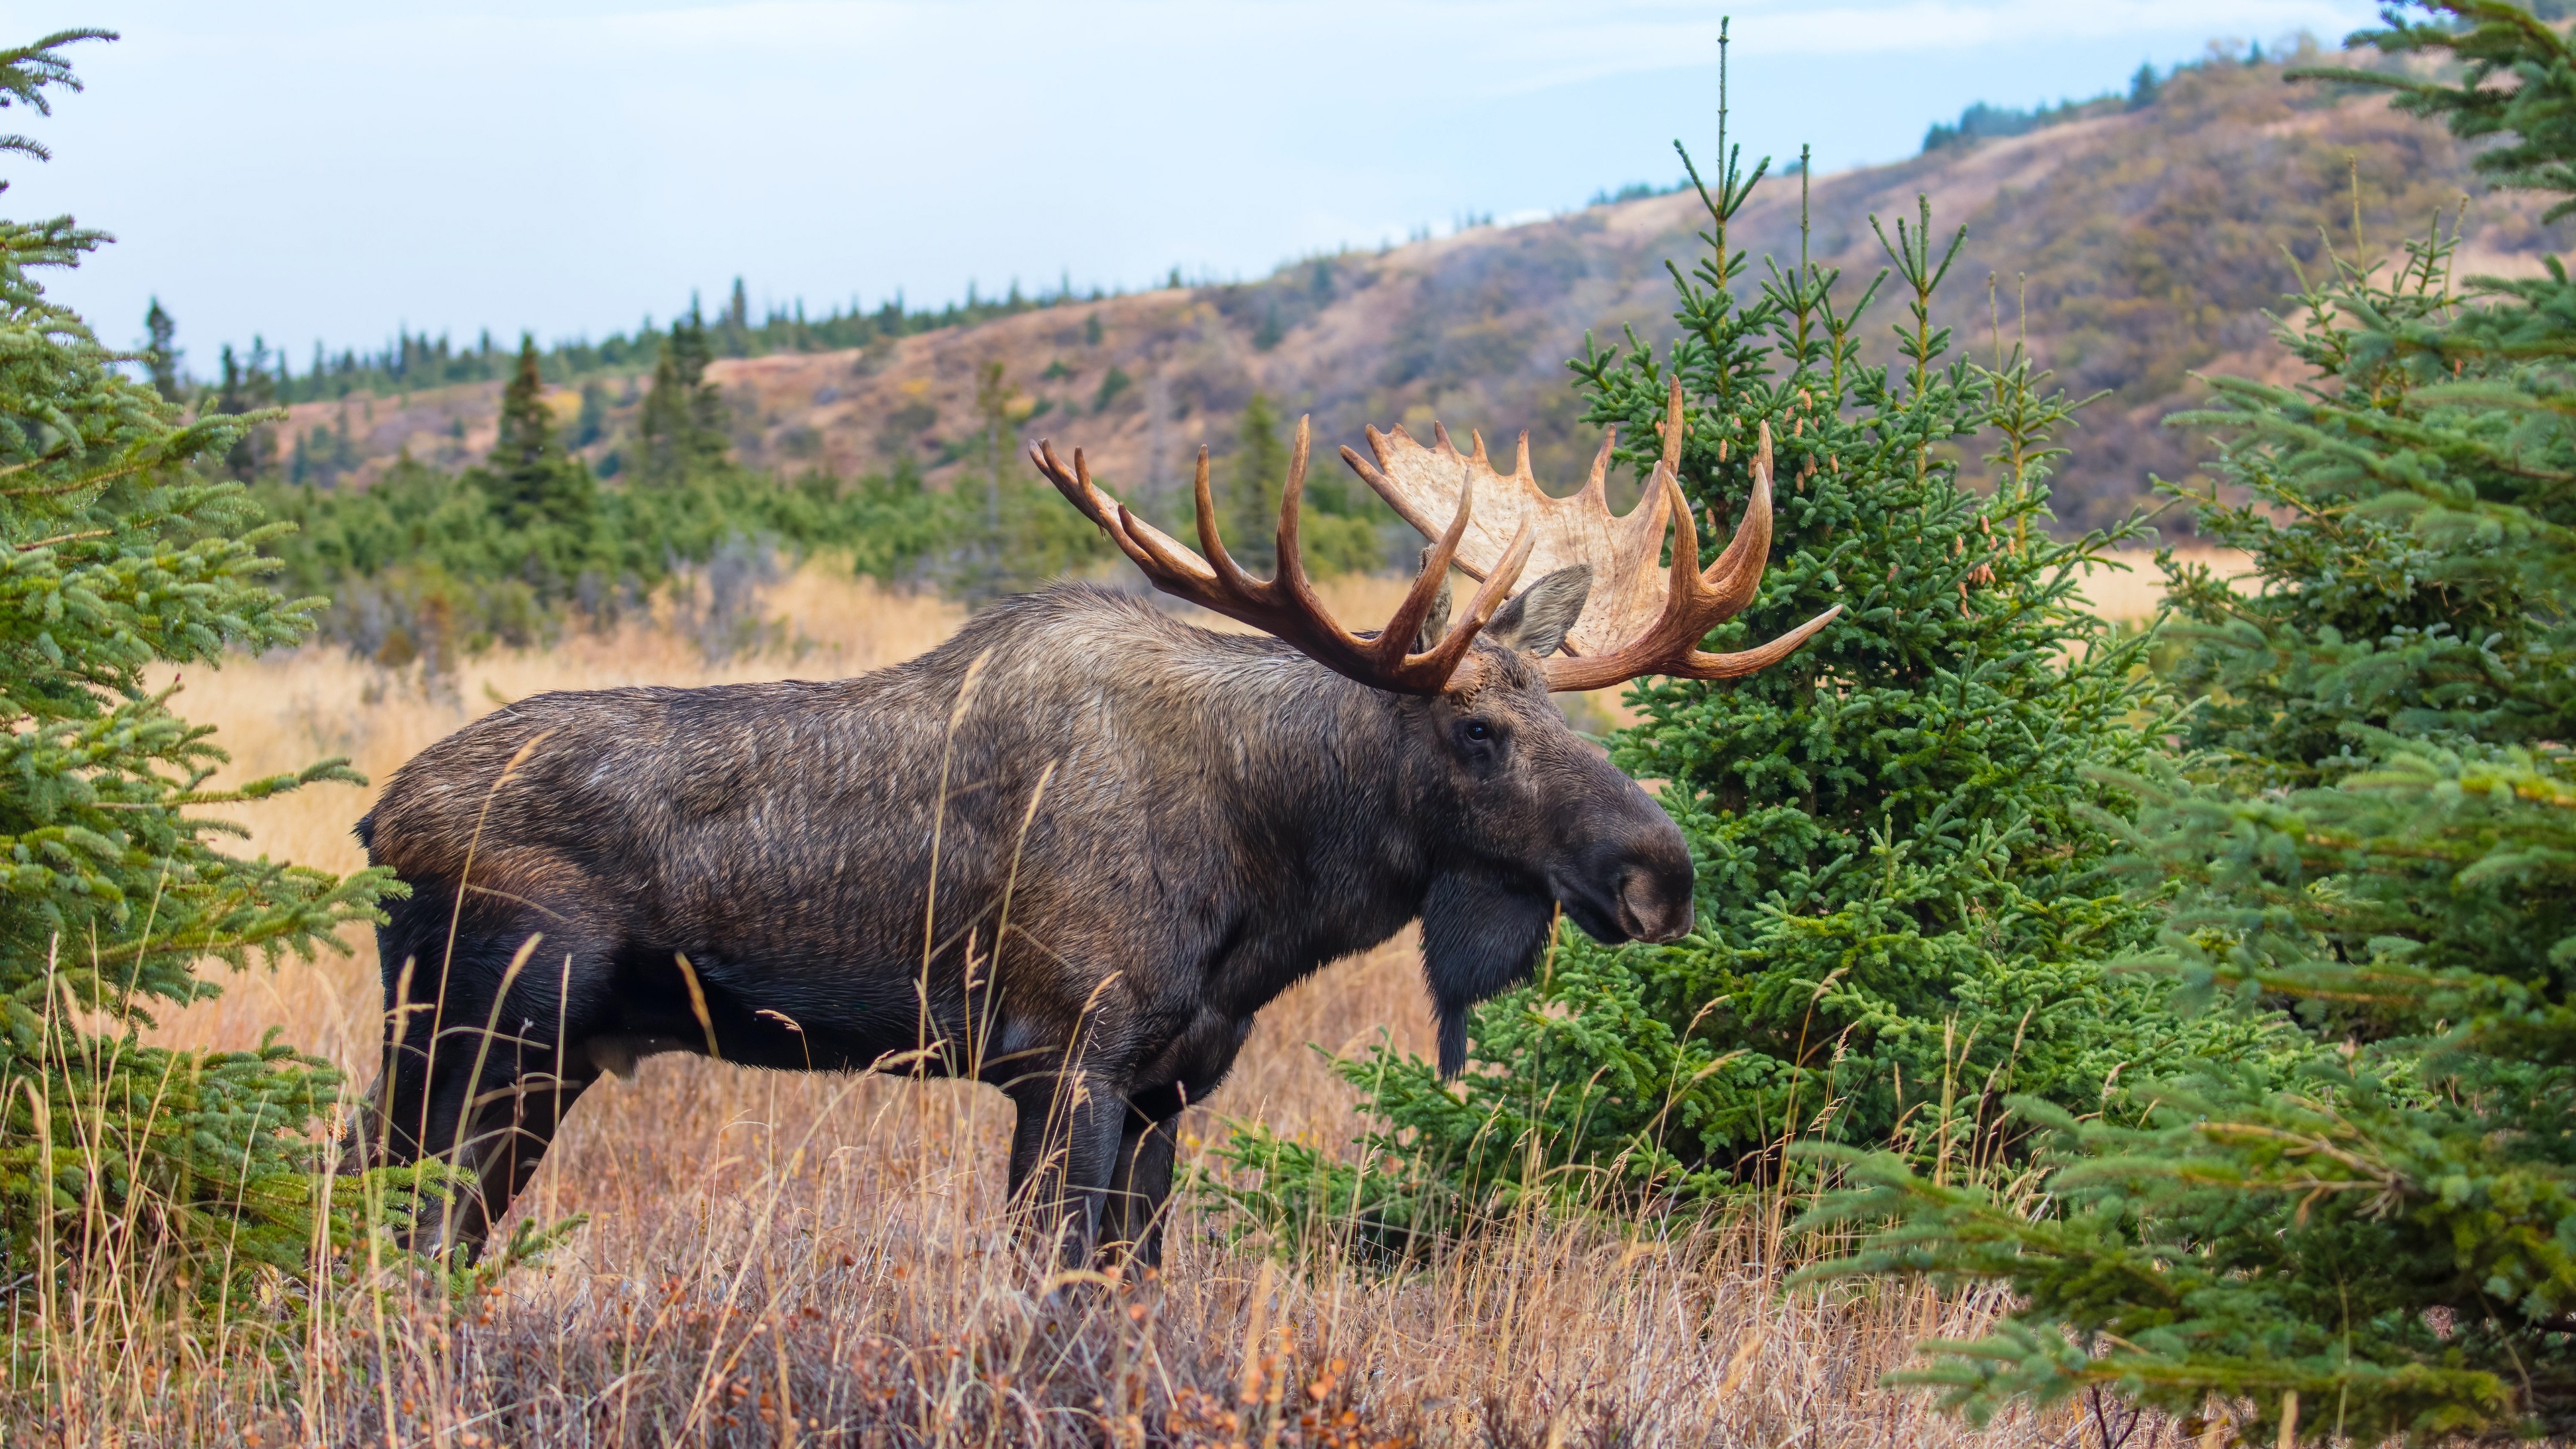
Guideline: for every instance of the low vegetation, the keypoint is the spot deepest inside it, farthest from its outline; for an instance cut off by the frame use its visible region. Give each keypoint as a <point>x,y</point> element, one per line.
<point>1904,915</point>
<point>2367,825</point>
<point>187,1174</point>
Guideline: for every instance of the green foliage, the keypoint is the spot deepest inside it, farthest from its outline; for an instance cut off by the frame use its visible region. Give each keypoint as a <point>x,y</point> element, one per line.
<point>683,426</point>
<point>116,556</point>
<point>2506,42</point>
<point>1983,122</point>
<point>1113,384</point>
<point>161,354</point>
<point>1341,528</point>
<point>532,482</point>
<point>1902,915</point>
<point>1247,501</point>
<point>246,387</point>
<point>1008,532</point>
<point>2377,1237</point>
<point>418,361</point>
<point>2144,89</point>
<point>25,72</point>
<point>430,566</point>
<point>426,566</point>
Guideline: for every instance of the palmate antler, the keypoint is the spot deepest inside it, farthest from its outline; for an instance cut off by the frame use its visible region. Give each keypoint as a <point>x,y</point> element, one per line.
<point>1641,618</point>
<point>1286,606</point>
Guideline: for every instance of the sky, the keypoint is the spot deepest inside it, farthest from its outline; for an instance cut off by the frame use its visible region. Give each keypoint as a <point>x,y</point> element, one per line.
<point>333,171</point>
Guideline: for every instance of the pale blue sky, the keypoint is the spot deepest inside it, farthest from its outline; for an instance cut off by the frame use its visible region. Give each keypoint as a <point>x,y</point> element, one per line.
<point>333,171</point>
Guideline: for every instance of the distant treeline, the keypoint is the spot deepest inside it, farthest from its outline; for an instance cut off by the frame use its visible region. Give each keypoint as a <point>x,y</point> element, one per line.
<point>1985,122</point>
<point>411,362</point>
<point>427,565</point>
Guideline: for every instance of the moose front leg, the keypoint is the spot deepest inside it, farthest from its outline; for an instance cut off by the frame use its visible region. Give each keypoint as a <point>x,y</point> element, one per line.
<point>1133,1222</point>
<point>1064,1151</point>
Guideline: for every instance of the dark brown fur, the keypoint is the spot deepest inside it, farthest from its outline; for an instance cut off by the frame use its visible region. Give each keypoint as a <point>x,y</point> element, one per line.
<point>1220,817</point>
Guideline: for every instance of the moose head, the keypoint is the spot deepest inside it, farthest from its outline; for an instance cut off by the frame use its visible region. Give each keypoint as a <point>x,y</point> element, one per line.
<point>1536,818</point>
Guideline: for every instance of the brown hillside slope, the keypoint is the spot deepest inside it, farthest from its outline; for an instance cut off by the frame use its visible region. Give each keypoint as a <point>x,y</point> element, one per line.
<point>2134,249</point>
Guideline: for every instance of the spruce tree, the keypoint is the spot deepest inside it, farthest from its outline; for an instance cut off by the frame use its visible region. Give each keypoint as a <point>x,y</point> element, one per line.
<point>241,388</point>
<point>683,421</point>
<point>1902,915</point>
<point>160,351</point>
<point>117,557</point>
<point>1249,505</point>
<point>2144,89</point>
<point>2378,1236</point>
<point>1010,532</point>
<point>1340,531</point>
<point>531,480</point>
<point>736,322</point>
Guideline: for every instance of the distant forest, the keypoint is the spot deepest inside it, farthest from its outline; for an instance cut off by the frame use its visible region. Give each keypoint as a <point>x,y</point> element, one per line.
<point>2172,214</point>
<point>415,361</point>
<point>263,376</point>
<point>1984,121</point>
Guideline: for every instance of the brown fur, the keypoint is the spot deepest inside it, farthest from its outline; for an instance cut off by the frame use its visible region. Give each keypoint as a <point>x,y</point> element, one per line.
<point>1220,816</point>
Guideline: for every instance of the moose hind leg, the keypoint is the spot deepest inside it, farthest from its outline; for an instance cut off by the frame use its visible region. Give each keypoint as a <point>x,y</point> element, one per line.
<point>511,1133</point>
<point>474,1081</point>
<point>390,1125</point>
<point>1064,1151</point>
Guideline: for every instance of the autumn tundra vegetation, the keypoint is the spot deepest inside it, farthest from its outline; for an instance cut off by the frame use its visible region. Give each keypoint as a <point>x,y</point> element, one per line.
<point>2071,1025</point>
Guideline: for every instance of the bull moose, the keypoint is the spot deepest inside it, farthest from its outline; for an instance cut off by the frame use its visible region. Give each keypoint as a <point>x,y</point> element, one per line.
<point>1070,852</point>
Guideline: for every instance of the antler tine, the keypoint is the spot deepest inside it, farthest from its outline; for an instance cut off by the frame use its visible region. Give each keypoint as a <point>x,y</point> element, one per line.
<point>1729,583</point>
<point>1671,429</point>
<point>1597,485</point>
<point>1687,586</point>
<point>1292,497</point>
<point>1397,637</point>
<point>1761,656</point>
<point>1287,606</point>
<point>1292,549</point>
<point>1229,574</point>
<point>1123,529</point>
<point>1490,595</point>
<point>1079,493</point>
<point>1174,569</point>
<point>1696,602</point>
<point>1684,590</point>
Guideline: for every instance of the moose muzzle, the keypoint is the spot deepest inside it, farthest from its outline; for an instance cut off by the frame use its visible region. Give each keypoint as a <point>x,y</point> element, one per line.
<point>1632,883</point>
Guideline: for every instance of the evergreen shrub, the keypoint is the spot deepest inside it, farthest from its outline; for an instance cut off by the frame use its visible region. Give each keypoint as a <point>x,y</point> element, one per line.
<point>1902,910</point>
<point>127,1167</point>
<point>2377,824</point>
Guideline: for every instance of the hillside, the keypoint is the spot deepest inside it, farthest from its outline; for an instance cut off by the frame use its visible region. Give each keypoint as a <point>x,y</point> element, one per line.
<point>2132,248</point>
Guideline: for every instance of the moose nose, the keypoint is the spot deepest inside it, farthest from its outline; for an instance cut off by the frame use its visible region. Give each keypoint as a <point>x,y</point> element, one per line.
<point>1650,909</point>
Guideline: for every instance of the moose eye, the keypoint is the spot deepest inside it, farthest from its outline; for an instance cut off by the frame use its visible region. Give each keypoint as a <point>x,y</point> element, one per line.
<point>1476,731</point>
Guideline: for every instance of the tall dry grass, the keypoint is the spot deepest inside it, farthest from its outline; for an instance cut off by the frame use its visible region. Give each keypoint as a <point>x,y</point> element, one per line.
<point>784,1259</point>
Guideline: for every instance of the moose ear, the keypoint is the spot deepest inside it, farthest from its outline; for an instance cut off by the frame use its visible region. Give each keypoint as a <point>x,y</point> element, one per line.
<point>1435,624</point>
<point>1538,617</point>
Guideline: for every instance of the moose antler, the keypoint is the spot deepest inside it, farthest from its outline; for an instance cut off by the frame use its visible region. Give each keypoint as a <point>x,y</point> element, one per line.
<point>1641,618</point>
<point>1286,606</point>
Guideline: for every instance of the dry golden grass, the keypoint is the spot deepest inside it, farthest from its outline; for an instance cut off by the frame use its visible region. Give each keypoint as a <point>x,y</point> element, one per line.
<point>2131,588</point>
<point>780,1259</point>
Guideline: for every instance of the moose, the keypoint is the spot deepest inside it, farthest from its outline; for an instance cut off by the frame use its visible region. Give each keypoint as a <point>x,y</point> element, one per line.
<point>1071,852</point>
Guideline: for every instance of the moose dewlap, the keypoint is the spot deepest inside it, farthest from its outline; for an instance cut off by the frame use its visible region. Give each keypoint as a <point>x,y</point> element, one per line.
<point>1070,852</point>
